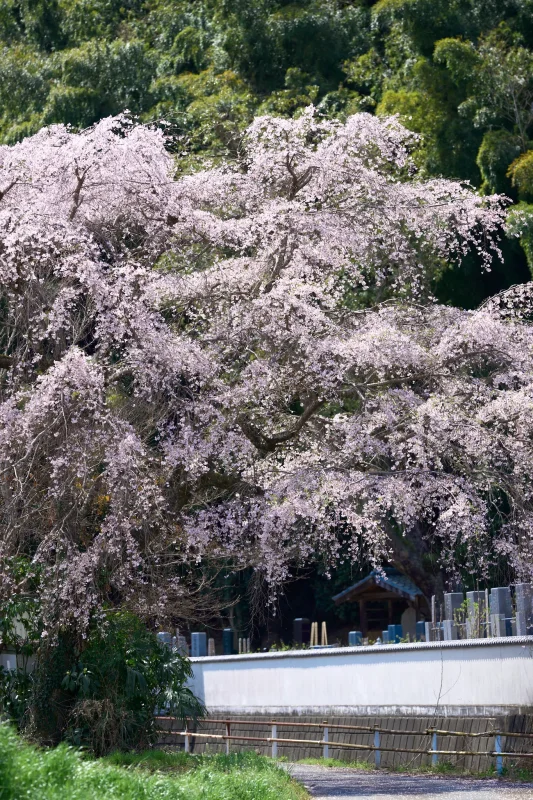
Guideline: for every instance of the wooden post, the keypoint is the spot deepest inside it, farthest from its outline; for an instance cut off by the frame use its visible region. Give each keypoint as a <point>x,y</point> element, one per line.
<point>314,634</point>
<point>274,735</point>
<point>377,751</point>
<point>498,749</point>
<point>434,756</point>
<point>324,635</point>
<point>325,738</point>
<point>363,617</point>
<point>390,612</point>
<point>487,614</point>
<point>228,733</point>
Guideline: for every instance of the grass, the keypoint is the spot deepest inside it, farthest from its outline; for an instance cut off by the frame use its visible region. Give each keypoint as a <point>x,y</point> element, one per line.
<point>156,760</point>
<point>64,774</point>
<point>511,772</point>
<point>336,762</point>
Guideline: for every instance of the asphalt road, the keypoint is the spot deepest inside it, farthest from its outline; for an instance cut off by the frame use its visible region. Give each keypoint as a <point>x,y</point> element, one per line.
<point>344,784</point>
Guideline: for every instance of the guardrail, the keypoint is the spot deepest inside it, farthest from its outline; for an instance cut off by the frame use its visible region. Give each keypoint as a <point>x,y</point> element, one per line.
<point>375,731</point>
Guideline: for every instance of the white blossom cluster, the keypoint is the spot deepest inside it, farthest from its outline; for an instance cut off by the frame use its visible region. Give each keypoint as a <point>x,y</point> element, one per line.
<point>246,364</point>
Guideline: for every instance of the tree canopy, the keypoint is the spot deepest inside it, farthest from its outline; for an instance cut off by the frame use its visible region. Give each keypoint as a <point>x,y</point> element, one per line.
<point>247,363</point>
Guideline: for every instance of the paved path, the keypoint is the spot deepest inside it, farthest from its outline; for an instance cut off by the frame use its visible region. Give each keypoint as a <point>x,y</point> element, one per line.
<point>344,784</point>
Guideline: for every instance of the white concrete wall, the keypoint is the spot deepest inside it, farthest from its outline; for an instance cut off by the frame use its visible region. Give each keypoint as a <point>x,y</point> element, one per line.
<point>8,660</point>
<point>474,678</point>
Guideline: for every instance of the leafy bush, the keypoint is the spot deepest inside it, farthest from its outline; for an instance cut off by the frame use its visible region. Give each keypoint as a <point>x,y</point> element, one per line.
<point>521,173</point>
<point>123,676</point>
<point>15,692</point>
<point>102,696</point>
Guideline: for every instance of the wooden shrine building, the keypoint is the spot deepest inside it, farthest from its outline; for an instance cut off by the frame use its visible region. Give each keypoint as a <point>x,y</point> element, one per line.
<point>385,597</point>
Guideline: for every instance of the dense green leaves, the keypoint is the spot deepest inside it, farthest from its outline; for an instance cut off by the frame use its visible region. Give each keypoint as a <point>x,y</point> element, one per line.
<point>120,678</point>
<point>100,692</point>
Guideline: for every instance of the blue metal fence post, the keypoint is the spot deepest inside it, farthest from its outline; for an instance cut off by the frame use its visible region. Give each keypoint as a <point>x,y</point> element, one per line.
<point>228,734</point>
<point>434,756</point>
<point>377,751</point>
<point>273,736</point>
<point>498,749</point>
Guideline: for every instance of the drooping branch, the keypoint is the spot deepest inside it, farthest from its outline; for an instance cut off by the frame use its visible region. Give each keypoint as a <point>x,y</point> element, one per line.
<point>281,260</point>
<point>76,194</point>
<point>8,188</point>
<point>267,444</point>
<point>298,182</point>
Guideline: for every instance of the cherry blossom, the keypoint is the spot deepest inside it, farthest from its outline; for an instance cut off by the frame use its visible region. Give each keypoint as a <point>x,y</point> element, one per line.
<point>245,364</point>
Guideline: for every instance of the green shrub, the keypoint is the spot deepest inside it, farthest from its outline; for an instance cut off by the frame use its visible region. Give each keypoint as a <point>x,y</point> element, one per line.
<point>122,676</point>
<point>102,695</point>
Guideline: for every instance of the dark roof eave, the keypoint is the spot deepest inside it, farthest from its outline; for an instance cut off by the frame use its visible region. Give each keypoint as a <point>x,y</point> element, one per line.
<point>376,580</point>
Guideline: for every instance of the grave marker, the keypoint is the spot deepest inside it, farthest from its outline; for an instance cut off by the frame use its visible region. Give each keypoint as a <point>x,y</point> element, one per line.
<point>395,633</point>
<point>498,625</point>
<point>227,641</point>
<point>500,602</point>
<point>450,629</point>
<point>475,615</point>
<point>301,629</point>
<point>198,645</point>
<point>409,623</point>
<point>355,638</point>
<point>453,602</point>
<point>524,609</point>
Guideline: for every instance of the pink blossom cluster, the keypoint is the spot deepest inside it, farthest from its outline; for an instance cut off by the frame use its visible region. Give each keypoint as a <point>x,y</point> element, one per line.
<point>246,364</point>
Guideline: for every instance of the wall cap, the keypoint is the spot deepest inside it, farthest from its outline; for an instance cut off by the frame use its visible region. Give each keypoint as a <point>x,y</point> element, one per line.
<point>362,650</point>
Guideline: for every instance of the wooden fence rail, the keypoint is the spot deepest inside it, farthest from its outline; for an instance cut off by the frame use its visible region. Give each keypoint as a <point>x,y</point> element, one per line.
<point>326,743</point>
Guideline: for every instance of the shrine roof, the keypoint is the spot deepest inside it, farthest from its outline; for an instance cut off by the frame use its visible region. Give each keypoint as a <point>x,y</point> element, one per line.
<point>388,579</point>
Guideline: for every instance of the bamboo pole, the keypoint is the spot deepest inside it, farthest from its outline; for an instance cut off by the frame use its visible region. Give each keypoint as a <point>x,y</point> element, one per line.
<point>361,728</point>
<point>347,745</point>
<point>314,634</point>
<point>324,635</point>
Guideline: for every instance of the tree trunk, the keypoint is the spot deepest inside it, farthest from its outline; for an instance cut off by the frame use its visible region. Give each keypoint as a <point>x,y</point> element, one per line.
<point>408,557</point>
